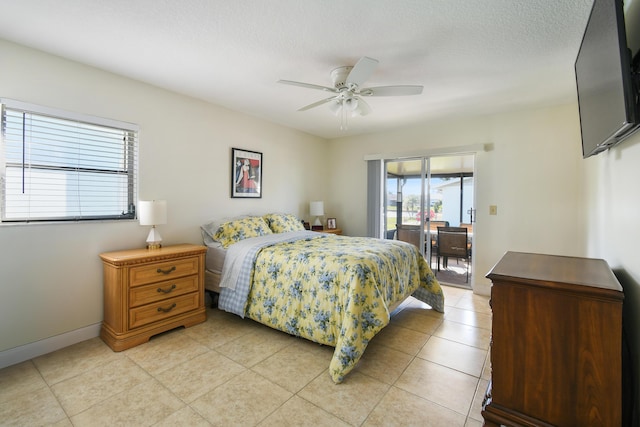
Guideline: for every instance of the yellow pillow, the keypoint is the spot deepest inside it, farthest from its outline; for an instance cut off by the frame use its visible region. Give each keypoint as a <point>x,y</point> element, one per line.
<point>282,223</point>
<point>231,232</point>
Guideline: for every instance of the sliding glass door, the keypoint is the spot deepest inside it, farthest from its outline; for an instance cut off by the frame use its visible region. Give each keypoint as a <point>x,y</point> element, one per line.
<point>424,192</point>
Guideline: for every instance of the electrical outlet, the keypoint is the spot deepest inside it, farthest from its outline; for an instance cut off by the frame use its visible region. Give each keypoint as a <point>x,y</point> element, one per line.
<point>493,210</point>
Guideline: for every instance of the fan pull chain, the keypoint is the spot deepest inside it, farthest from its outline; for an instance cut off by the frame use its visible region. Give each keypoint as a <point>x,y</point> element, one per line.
<point>344,117</point>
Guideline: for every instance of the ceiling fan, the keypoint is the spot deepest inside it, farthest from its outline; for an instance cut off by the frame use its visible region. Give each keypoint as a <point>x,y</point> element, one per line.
<point>347,91</point>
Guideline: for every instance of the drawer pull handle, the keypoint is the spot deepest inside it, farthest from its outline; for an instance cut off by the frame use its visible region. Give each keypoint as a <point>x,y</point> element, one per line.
<point>166,291</point>
<point>166,310</point>
<point>166,271</point>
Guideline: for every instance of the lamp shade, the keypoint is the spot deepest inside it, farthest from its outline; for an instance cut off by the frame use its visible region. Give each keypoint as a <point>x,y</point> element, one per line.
<point>350,104</point>
<point>316,208</point>
<point>335,107</point>
<point>152,212</point>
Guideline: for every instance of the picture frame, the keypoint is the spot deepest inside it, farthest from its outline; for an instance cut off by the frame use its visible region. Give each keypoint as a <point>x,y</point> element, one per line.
<point>331,224</point>
<point>246,174</point>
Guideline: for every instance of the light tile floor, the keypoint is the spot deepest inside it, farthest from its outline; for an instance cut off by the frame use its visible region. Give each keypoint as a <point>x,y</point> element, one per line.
<point>424,369</point>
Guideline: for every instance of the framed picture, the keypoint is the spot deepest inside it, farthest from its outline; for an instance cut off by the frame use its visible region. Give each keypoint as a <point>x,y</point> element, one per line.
<point>331,224</point>
<point>246,173</point>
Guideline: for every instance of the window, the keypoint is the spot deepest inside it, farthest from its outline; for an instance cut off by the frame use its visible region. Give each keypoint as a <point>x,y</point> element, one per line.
<point>61,166</point>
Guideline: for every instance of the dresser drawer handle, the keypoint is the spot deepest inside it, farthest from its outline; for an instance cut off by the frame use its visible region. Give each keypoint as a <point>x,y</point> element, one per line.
<point>166,271</point>
<point>166,310</point>
<point>166,291</point>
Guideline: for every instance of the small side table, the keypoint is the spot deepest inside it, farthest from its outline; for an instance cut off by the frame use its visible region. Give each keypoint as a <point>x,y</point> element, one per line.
<point>337,231</point>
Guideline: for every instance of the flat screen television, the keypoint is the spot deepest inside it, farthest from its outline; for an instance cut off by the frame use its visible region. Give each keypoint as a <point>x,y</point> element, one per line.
<point>606,80</point>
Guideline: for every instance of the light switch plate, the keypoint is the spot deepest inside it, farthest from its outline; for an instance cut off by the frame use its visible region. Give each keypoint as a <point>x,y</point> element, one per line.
<point>493,210</point>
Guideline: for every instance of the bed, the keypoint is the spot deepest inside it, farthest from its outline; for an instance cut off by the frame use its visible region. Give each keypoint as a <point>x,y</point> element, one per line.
<point>333,290</point>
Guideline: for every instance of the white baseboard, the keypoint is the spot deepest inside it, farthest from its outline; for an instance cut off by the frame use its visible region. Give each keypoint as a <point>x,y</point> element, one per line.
<point>29,351</point>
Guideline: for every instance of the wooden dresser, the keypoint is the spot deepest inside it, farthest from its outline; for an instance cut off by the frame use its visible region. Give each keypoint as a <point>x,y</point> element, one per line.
<point>148,291</point>
<point>556,345</point>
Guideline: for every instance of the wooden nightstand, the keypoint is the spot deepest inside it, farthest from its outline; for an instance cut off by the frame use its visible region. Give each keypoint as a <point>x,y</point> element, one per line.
<point>147,292</point>
<point>330,231</point>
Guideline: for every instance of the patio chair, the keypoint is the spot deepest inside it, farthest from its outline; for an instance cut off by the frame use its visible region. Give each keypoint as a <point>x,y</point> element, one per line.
<point>452,243</point>
<point>409,233</point>
<point>433,228</point>
<point>469,228</point>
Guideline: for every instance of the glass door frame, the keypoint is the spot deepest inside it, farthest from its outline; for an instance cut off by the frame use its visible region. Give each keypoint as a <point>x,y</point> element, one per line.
<point>426,184</point>
<point>425,198</point>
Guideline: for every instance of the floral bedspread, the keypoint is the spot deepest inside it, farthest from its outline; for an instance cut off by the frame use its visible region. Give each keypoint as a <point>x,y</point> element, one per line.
<point>336,290</point>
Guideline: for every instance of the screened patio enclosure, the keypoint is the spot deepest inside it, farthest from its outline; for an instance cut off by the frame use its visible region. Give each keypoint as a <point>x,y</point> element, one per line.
<point>423,193</point>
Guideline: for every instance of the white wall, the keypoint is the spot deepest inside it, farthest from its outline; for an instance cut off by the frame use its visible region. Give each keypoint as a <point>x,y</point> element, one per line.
<point>613,208</point>
<point>50,275</point>
<point>532,172</point>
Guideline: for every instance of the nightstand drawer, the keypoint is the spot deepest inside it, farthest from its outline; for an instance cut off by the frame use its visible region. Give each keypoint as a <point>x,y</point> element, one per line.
<point>161,271</point>
<point>150,313</point>
<point>162,290</point>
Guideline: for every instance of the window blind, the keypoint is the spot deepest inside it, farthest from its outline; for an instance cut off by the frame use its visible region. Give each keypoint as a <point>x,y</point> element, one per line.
<point>60,166</point>
<point>374,198</point>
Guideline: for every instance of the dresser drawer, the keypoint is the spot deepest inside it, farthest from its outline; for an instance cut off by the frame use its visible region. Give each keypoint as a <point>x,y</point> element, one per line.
<point>161,271</point>
<point>165,309</point>
<point>146,294</point>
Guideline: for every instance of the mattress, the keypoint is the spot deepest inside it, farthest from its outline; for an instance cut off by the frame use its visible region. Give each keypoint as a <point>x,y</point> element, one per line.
<point>214,260</point>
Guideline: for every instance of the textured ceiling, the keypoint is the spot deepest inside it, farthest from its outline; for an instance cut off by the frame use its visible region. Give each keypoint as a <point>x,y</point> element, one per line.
<point>471,56</point>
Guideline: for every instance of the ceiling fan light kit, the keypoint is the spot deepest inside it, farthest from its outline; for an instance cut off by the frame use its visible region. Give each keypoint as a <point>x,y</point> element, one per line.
<point>348,94</point>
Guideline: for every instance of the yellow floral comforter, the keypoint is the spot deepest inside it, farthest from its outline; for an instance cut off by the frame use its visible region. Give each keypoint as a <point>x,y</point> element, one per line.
<point>336,290</point>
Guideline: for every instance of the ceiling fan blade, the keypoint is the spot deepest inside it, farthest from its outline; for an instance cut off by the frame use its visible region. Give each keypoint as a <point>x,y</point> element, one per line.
<point>391,90</point>
<point>316,104</point>
<point>307,85</point>
<point>362,70</point>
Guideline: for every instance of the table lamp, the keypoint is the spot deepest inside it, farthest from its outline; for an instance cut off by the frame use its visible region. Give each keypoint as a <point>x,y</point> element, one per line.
<point>153,212</point>
<point>316,209</point>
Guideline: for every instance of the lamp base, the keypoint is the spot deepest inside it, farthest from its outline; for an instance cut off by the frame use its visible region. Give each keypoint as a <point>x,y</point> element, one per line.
<point>154,240</point>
